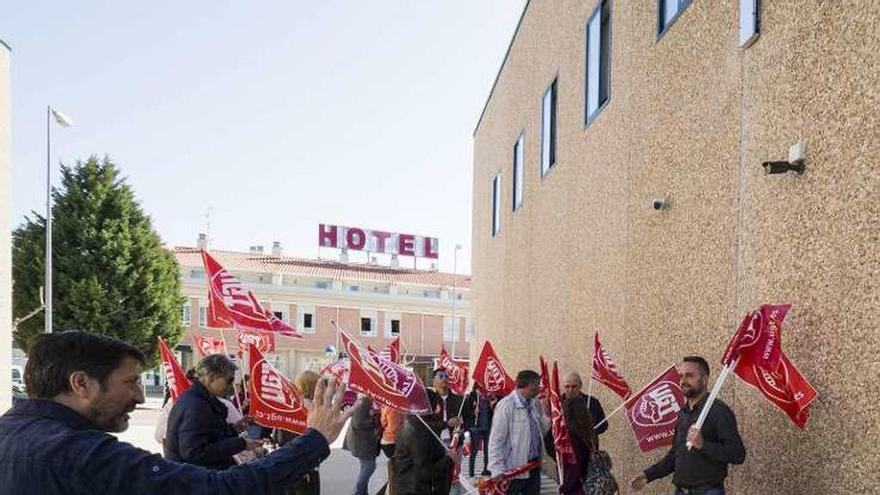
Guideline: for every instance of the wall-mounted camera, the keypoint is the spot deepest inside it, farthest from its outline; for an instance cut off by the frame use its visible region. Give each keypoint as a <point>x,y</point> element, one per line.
<point>658,203</point>
<point>795,163</point>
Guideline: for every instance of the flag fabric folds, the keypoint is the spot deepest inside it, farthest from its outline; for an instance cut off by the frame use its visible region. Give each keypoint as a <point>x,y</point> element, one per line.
<point>566,460</point>
<point>489,486</point>
<point>456,371</point>
<point>275,400</point>
<point>606,372</point>
<point>490,376</point>
<point>206,345</point>
<point>175,377</point>
<point>653,411</point>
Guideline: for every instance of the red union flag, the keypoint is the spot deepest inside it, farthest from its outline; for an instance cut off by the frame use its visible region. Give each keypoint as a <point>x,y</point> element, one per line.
<point>545,378</point>
<point>392,352</point>
<point>388,383</point>
<point>338,369</point>
<point>457,372</point>
<point>783,385</point>
<point>265,341</point>
<point>489,486</point>
<point>275,401</point>
<point>758,338</point>
<point>489,375</point>
<point>606,372</point>
<point>231,304</point>
<point>566,460</point>
<point>653,411</point>
<point>174,374</point>
<point>206,346</point>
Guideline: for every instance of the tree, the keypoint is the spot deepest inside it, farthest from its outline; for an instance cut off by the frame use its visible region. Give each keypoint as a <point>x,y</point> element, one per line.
<point>111,274</point>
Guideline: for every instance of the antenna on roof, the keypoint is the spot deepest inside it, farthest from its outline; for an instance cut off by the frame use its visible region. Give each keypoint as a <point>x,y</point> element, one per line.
<point>208,225</point>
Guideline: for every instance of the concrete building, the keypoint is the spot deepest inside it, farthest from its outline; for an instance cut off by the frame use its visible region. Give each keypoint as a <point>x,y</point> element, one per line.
<point>374,303</point>
<point>5,232</point>
<point>599,108</point>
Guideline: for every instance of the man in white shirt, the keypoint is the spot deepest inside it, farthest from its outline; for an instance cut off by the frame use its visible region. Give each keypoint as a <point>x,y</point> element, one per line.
<point>518,426</point>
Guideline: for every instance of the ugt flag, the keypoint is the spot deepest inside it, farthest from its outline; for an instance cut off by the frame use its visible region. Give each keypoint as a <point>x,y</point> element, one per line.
<point>230,304</point>
<point>456,371</point>
<point>489,375</point>
<point>264,341</point>
<point>653,411</point>
<point>544,390</point>
<point>606,372</point>
<point>206,346</point>
<point>338,369</point>
<point>175,377</point>
<point>275,401</point>
<point>489,486</point>
<point>386,382</point>
<point>392,352</point>
<point>758,338</point>
<point>566,460</point>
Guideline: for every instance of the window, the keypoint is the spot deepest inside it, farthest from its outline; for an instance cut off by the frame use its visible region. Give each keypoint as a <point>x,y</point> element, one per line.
<point>470,330</point>
<point>433,294</point>
<point>197,274</point>
<point>203,314</point>
<point>598,59</point>
<point>322,285</point>
<point>496,204</point>
<point>748,22</point>
<point>667,12</point>
<point>392,324</point>
<point>282,312</point>
<point>395,327</point>
<point>449,329</point>
<point>368,323</point>
<point>548,129</point>
<point>187,315</point>
<point>518,173</point>
<point>354,288</point>
<point>305,318</point>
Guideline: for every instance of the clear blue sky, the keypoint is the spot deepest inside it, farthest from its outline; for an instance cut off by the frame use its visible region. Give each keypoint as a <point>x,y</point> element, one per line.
<point>278,115</point>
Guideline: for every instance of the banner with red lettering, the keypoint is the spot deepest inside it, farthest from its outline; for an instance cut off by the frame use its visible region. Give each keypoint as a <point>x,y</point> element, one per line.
<point>456,371</point>
<point>653,411</point>
<point>231,304</point>
<point>489,486</point>
<point>544,391</point>
<point>275,400</point>
<point>489,375</point>
<point>175,377</point>
<point>338,369</point>
<point>265,341</point>
<point>784,386</point>
<point>758,338</point>
<point>206,346</point>
<point>566,460</point>
<point>386,382</point>
<point>606,372</point>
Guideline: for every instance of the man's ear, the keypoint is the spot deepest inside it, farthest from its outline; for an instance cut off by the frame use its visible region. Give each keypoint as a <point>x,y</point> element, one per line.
<point>82,385</point>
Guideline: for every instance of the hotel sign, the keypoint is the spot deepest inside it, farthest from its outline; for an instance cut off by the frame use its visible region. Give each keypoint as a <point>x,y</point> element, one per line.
<point>377,241</point>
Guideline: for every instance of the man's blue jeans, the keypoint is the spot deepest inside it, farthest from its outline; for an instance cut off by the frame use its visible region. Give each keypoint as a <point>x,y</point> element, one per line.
<point>368,466</point>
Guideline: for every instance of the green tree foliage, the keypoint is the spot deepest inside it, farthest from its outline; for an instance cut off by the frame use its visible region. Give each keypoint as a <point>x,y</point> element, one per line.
<point>111,274</point>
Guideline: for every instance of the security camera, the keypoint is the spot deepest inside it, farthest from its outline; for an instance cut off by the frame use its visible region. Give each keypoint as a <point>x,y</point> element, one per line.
<point>658,203</point>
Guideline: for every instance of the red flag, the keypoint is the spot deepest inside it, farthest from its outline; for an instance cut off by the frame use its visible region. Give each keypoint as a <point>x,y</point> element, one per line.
<point>392,352</point>
<point>265,341</point>
<point>606,372</point>
<point>489,375</point>
<point>758,337</point>
<point>275,400</point>
<point>489,486</point>
<point>388,383</point>
<point>339,369</point>
<point>653,411</point>
<point>208,345</point>
<point>231,304</point>
<point>566,460</point>
<point>784,386</point>
<point>545,378</point>
<point>456,371</point>
<point>174,374</point>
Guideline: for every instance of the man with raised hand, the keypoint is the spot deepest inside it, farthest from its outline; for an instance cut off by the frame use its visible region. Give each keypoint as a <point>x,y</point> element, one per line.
<point>82,386</point>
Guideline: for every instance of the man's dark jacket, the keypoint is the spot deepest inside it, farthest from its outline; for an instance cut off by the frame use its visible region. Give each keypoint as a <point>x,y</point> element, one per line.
<point>47,448</point>
<point>198,433</point>
<point>421,464</point>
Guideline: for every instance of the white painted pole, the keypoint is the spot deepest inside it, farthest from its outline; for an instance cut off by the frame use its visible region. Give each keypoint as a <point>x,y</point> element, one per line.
<point>612,413</point>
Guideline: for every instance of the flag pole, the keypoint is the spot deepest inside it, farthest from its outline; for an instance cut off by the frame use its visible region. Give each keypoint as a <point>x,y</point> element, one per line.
<point>612,413</point>
<point>725,372</point>
<point>234,393</point>
<point>445,447</point>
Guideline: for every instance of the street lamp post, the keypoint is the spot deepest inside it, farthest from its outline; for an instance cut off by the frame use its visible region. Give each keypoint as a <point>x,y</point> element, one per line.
<point>63,121</point>
<point>454,284</point>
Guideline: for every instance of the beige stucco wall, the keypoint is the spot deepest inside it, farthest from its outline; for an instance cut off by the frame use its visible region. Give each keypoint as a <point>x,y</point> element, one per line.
<point>5,235</point>
<point>691,117</point>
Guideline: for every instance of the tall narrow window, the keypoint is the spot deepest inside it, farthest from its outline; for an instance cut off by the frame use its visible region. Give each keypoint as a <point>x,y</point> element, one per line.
<point>748,22</point>
<point>668,11</point>
<point>518,173</point>
<point>598,59</point>
<point>496,204</point>
<point>548,129</point>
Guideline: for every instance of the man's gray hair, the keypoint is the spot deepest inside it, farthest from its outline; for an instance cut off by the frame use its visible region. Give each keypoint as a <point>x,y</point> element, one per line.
<point>575,376</point>
<point>216,366</point>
